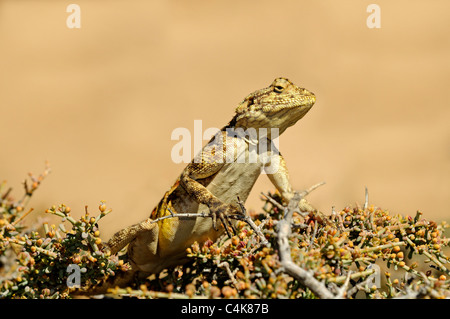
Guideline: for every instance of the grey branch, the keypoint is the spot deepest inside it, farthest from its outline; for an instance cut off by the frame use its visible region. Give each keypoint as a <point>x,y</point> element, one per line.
<point>303,276</point>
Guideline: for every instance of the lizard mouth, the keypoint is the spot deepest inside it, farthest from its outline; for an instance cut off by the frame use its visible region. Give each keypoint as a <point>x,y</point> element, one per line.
<point>309,99</point>
<point>302,102</point>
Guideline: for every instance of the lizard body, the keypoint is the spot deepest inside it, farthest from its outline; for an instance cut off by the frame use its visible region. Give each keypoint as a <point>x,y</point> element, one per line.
<point>212,182</point>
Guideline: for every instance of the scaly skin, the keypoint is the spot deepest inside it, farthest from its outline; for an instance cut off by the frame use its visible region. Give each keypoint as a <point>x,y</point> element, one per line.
<point>212,182</point>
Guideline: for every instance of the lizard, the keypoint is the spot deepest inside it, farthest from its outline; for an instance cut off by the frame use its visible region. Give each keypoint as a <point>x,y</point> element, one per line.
<point>215,181</point>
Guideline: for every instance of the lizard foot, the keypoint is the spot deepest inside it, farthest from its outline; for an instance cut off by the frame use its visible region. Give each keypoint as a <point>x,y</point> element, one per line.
<point>225,213</point>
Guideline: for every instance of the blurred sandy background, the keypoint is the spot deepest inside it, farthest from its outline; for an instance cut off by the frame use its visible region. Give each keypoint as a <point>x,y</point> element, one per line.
<point>100,103</point>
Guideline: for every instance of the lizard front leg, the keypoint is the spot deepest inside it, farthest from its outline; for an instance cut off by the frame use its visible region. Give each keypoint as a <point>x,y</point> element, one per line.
<point>189,180</point>
<point>204,166</point>
<point>280,179</point>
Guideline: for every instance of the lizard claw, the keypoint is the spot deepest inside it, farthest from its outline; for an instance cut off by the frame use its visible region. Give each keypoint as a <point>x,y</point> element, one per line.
<point>223,212</point>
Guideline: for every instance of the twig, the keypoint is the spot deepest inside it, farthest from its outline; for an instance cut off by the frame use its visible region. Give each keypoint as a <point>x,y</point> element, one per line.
<point>309,190</point>
<point>436,261</point>
<point>342,291</point>
<point>6,193</point>
<point>226,265</point>
<point>14,223</point>
<point>409,294</point>
<point>311,242</point>
<point>381,247</point>
<point>39,249</point>
<point>151,294</point>
<point>303,276</point>
<point>252,224</point>
<point>258,244</point>
<point>341,226</point>
<point>359,286</point>
<point>302,194</point>
<point>180,215</point>
<point>355,275</point>
<point>273,201</point>
<point>366,202</point>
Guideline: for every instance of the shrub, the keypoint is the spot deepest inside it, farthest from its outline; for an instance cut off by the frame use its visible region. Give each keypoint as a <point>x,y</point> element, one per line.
<point>285,253</point>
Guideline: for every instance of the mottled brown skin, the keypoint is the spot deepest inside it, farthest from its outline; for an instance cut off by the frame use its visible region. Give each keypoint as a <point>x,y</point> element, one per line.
<point>211,184</point>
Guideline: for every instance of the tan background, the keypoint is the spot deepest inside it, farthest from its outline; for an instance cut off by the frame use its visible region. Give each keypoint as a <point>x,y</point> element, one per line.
<point>100,102</point>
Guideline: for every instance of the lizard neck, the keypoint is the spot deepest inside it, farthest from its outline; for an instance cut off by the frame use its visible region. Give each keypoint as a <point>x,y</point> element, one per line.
<point>252,135</point>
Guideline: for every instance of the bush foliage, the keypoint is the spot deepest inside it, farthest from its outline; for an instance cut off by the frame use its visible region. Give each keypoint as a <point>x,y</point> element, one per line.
<point>345,252</point>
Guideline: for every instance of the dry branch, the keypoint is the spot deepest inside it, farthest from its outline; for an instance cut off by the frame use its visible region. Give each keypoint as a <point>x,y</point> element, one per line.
<point>303,276</point>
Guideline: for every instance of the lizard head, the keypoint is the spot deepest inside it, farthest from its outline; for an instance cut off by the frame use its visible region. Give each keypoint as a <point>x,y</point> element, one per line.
<point>280,105</point>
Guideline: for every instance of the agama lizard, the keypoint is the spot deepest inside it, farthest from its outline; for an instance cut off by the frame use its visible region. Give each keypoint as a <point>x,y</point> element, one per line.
<point>215,179</point>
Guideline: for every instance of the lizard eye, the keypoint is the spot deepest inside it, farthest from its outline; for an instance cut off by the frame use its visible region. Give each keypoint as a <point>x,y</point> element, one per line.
<point>278,88</point>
